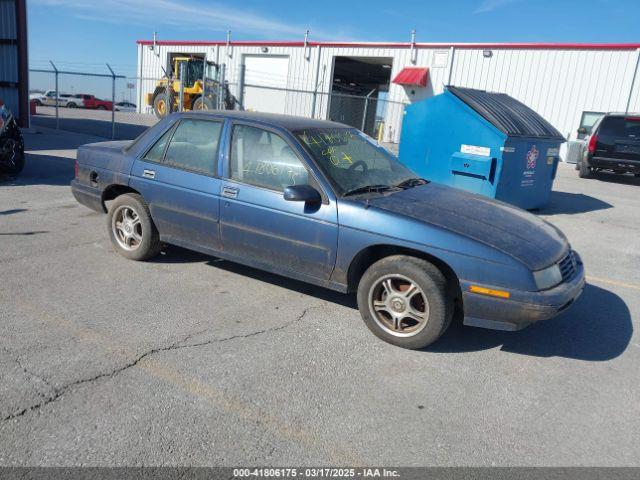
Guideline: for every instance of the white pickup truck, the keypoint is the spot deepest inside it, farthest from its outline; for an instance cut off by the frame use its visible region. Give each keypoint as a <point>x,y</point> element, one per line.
<point>49,98</point>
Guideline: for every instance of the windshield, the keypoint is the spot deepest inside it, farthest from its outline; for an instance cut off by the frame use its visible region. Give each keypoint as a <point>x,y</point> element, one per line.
<point>352,161</point>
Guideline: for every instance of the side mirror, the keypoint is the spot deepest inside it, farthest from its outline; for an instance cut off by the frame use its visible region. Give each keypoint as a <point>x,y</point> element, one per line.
<point>582,131</point>
<point>302,193</point>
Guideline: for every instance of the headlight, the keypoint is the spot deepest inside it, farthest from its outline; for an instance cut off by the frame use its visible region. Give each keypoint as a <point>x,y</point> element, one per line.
<point>547,278</point>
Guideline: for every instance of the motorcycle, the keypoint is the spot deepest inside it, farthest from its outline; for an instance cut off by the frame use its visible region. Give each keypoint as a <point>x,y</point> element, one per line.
<point>11,145</point>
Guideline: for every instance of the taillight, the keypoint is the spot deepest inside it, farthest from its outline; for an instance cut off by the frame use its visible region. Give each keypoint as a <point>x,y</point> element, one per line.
<point>75,169</point>
<point>593,139</point>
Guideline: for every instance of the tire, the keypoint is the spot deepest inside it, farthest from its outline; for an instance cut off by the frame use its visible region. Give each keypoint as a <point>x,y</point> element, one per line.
<point>71,105</point>
<point>38,103</point>
<point>584,171</point>
<point>101,107</point>
<point>200,103</point>
<point>144,241</point>
<point>159,104</point>
<point>12,156</point>
<point>430,299</point>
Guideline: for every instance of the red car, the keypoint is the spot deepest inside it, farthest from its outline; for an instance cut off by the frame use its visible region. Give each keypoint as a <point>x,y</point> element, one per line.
<point>90,101</point>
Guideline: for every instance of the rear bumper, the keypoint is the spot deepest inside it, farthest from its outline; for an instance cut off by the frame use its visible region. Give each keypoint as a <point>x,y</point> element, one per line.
<point>616,164</point>
<point>88,196</point>
<point>522,308</point>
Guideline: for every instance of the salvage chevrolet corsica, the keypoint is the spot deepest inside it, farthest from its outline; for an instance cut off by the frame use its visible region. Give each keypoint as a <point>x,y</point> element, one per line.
<point>321,202</point>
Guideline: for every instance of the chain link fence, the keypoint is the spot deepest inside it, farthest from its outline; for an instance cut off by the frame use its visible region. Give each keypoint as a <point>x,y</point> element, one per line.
<point>110,105</point>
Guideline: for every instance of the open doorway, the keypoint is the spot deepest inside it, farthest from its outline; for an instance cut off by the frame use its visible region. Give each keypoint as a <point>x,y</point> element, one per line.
<point>358,85</point>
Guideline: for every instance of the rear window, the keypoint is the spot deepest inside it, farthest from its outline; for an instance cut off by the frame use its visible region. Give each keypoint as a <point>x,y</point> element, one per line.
<point>621,127</point>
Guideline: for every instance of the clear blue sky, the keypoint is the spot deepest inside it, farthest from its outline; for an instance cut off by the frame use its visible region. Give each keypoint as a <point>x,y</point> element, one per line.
<point>85,34</point>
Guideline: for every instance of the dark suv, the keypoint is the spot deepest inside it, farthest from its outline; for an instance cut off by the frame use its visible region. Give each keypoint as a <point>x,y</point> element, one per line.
<point>614,145</point>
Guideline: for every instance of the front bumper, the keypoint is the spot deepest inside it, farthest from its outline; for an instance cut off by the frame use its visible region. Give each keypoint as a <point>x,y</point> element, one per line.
<point>522,308</point>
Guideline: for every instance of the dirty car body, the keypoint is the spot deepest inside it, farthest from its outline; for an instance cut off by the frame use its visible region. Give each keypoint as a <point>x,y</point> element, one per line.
<point>309,212</point>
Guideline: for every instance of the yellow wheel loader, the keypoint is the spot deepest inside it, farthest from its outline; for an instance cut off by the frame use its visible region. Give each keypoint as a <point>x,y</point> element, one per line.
<point>201,88</point>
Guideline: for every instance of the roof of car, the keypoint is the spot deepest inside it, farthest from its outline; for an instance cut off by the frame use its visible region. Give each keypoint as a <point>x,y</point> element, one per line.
<point>288,122</point>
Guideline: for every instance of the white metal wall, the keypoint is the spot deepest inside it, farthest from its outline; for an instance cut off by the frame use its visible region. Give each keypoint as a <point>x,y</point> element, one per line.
<point>558,84</point>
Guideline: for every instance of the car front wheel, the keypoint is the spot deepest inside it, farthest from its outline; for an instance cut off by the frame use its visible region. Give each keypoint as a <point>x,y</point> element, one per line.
<point>404,301</point>
<point>131,229</point>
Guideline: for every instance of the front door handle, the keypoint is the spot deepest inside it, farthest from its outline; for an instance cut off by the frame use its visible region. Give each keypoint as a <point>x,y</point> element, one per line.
<point>230,192</point>
<point>149,174</point>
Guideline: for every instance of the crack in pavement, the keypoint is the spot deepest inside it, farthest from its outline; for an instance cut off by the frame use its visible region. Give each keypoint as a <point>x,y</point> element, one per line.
<point>58,392</point>
<point>16,359</point>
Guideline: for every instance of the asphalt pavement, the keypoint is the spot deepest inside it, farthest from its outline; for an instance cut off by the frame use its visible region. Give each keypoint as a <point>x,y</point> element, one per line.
<point>190,360</point>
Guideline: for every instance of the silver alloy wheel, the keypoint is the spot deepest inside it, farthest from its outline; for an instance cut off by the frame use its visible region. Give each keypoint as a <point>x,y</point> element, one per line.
<point>398,305</point>
<point>127,228</point>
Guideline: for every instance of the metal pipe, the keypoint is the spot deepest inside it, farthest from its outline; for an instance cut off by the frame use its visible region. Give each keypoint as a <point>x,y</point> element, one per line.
<point>452,53</point>
<point>307,54</point>
<point>633,81</point>
<point>241,85</point>
<point>229,53</point>
<point>315,82</point>
<point>113,102</point>
<point>413,46</point>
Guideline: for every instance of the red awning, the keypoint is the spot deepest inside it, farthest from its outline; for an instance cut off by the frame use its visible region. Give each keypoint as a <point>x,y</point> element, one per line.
<point>412,76</point>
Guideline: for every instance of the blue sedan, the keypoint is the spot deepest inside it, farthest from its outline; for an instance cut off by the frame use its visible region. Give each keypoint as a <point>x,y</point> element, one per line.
<point>321,202</point>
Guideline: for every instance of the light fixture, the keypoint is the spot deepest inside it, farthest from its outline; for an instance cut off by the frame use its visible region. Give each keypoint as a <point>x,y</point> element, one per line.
<point>386,66</point>
<point>264,49</point>
<point>487,53</point>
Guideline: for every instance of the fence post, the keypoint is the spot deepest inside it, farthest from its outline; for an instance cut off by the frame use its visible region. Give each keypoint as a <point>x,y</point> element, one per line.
<point>366,107</point>
<point>204,80</point>
<point>241,85</point>
<point>221,89</point>
<point>168,104</point>
<point>113,102</point>
<point>181,93</point>
<point>55,69</point>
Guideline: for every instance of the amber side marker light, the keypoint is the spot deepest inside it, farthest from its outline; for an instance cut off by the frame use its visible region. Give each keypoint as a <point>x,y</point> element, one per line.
<point>489,291</point>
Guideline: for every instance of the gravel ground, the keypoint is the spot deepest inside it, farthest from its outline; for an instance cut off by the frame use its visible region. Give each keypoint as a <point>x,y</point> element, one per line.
<point>188,360</point>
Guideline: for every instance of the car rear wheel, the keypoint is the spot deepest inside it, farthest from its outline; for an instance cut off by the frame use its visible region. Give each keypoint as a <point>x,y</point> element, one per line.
<point>131,228</point>
<point>11,156</point>
<point>404,301</point>
<point>71,105</point>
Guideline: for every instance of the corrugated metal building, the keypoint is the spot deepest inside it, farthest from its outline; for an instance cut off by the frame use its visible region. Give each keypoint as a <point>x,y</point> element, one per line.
<point>559,81</point>
<point>14,89</point>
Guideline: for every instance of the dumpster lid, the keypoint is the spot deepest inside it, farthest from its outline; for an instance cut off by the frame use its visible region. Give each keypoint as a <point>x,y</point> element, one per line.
<point>506,113</point>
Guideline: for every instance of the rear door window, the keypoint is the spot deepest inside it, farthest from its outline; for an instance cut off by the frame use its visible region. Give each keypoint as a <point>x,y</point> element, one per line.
<point>156,152</point>
<point>194,146</point>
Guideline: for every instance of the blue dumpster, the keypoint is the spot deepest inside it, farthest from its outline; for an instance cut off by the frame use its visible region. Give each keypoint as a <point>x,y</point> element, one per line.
<point>484,142</point>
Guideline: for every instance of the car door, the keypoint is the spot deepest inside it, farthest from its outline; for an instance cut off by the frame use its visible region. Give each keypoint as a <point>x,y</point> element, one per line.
<point>176,177</point>
<point>257,223</point>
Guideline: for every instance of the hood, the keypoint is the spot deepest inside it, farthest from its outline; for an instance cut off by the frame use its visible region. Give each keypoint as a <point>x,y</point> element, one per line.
<point>509,229</point>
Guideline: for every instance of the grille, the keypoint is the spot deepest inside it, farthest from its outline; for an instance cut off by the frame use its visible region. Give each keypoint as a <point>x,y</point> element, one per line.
<point>567,266</point>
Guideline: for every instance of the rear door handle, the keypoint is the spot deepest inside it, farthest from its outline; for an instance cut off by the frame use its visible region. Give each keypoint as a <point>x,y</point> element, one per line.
<point>230,192</point>
<point>149,174</point>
